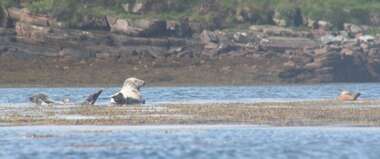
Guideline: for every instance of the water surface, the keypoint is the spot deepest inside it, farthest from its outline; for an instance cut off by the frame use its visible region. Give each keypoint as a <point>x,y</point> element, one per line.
<point>172,142</point>
<point>203,94</point>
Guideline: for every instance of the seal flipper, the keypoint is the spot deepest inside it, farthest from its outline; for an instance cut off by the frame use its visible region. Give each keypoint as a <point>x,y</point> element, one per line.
<point>134,101</point>
<point>119,99</point>
<point>356,96</point>
<point>92,98</point>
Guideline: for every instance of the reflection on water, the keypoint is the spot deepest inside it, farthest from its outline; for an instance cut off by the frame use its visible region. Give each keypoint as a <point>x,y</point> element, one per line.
<point>172,142</point>
<point>203,94</point>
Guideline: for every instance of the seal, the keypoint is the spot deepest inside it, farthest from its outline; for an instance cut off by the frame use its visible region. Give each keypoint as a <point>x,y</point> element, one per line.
<point>129,93</point>
<point>41,99</point>
<point>348,96</point>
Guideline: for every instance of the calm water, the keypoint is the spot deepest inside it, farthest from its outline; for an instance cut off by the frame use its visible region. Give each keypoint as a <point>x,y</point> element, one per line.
<point>202,94</point>
<point>193,142</point>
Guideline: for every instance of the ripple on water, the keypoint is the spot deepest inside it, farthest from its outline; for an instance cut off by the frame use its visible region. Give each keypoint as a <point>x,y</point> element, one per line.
<point>188,142</point>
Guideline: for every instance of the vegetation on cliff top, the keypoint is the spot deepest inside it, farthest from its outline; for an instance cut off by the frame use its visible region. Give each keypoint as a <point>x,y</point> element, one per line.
<point>260,11</point>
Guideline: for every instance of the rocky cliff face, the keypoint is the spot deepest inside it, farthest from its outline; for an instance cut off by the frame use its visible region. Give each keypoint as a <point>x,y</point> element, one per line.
<point>175,49</point>
<point>345,60</point>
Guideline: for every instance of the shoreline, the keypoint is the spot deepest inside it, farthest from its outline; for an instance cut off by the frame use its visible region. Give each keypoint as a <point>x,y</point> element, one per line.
<point>105,128</point>
<point>326,113</point>
<point>153,85</point>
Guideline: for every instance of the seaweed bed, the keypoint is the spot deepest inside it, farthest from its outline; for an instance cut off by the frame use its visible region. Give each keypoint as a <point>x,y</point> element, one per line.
<point>307,113</point>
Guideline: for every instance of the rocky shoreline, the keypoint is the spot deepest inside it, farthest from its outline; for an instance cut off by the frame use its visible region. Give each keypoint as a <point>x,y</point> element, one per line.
<point>39,50</point>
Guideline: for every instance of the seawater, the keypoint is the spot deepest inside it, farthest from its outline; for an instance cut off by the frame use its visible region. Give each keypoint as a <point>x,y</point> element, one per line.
<point>203,94</point>
<point>188,142</point>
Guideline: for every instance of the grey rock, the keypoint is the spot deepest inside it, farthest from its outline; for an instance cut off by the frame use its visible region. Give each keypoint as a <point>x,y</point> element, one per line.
<point>209,37</point>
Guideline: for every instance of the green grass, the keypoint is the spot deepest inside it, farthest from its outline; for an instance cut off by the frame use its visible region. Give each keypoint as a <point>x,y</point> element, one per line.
<point>374,31</point>
<point>335,11</point>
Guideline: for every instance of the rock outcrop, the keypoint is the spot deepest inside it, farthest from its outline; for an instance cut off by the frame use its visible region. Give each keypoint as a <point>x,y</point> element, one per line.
<point>24,15</point>
<point>316,55</point>
<point>347,61</point>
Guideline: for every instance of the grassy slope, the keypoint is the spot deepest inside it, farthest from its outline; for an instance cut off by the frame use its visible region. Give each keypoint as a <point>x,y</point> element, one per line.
<point>336,11</point>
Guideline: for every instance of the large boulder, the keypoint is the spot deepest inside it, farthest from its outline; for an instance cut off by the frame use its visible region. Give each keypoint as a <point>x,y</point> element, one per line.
<point>278,31</point>
<point>353,30</point>
<point>333,39</point>
<point>282,44</point>
<point>210,42</point>
<point>32,33</point>
<point>207,37</point>
<point>140,27</point>
<point>323,25</point>
<point>216,43</point>
<point>25,16</point>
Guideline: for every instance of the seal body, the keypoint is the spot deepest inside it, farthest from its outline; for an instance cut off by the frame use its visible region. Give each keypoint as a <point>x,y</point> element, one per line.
<point>129,93</point>
<point>348,96</point>
<point>41,99</point>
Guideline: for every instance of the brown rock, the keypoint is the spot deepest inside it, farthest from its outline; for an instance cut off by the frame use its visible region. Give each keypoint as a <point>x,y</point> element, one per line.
<point>301,58</point>
<point>290,64</point>
<point>347,51</point>
<point>332,59</point>
<point>321,51</point>
<point>313,66</point>
<point>281,44</point>
<point>353,29</point>
<point>24,15</point>
<point>31,32</point>
<point>211,46</point>
<point>323,25</point>
<point>141,27</point>
<point>207,37</point>
<point>119,25</point>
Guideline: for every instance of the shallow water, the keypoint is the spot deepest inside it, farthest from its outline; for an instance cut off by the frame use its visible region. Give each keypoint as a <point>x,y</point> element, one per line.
<point>171,142</point>
<point>194,94</point>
